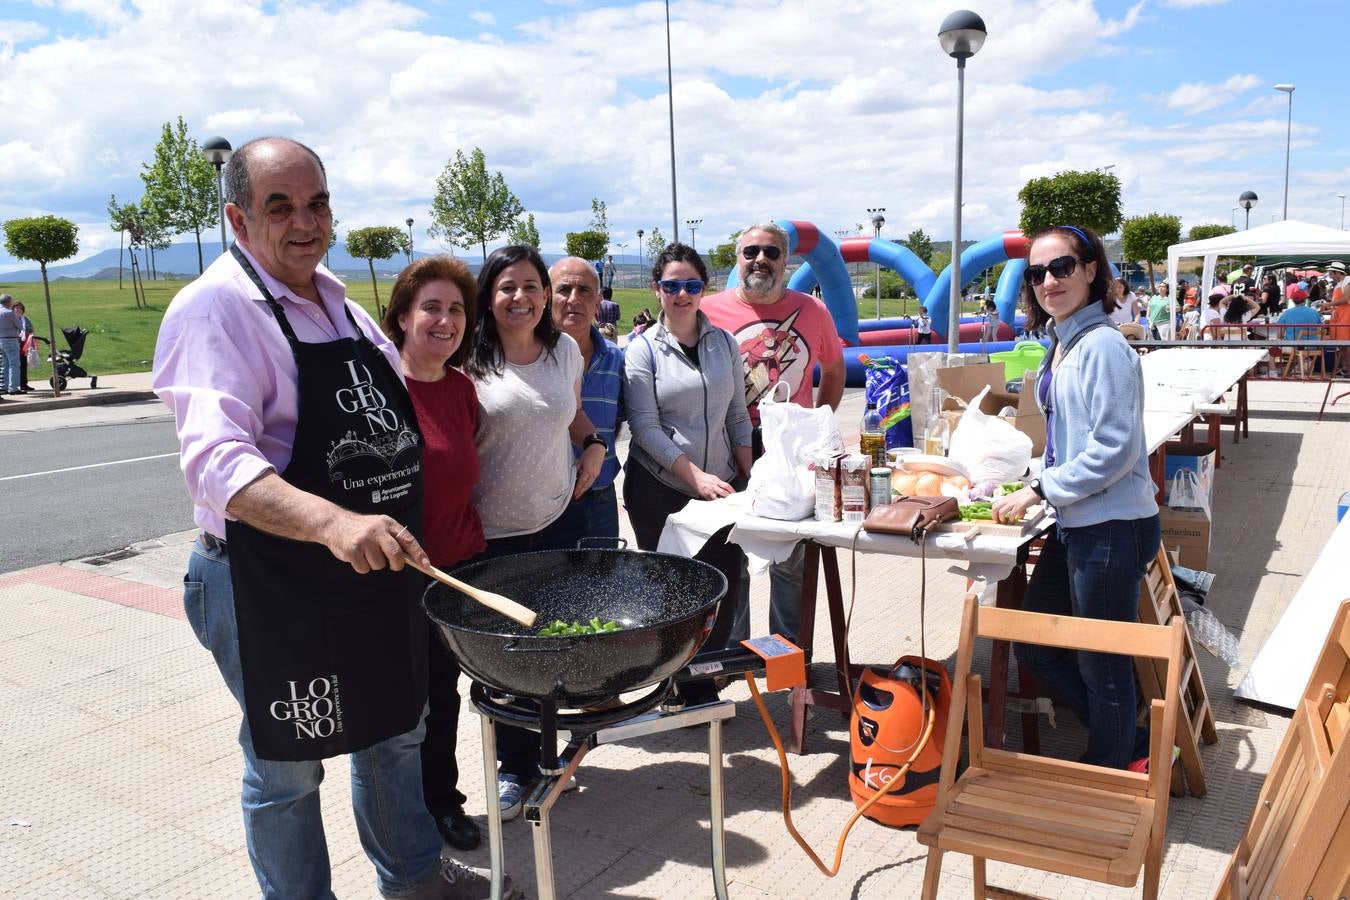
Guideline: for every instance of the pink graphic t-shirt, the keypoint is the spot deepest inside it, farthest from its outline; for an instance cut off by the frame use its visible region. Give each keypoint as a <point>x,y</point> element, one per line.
<point>780,341</point>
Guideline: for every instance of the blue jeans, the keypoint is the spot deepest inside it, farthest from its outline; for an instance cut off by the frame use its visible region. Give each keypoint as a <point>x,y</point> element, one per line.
<point>1094,572</point>
<point>9,377</point>
<point>282,821</point>
<point>600,512</point>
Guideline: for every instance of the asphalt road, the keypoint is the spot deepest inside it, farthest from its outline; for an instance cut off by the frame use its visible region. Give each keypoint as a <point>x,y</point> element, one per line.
<point>86,481</point>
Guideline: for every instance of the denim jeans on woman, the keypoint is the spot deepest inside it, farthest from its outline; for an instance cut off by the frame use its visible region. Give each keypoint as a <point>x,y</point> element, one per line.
<point>283,825</point>
<point>1094,572</point>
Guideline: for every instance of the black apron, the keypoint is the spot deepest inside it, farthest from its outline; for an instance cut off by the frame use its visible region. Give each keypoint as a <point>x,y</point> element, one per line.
<point>334,661</point>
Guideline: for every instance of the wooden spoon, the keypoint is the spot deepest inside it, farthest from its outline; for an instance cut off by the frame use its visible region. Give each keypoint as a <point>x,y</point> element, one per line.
<point>504,605</point>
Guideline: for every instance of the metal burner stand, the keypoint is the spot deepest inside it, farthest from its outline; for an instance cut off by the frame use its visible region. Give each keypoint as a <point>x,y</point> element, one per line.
<point>586,731</point>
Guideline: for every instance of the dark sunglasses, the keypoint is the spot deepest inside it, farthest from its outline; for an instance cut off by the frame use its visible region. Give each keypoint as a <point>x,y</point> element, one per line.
<point>693,287</point>
<point>1060,267</point>
<point>750,251</point>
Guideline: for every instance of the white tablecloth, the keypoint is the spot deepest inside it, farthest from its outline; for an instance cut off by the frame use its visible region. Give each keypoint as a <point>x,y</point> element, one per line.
<point>1282,668</point>
<point>985,558</point>
<point>1177,378</point>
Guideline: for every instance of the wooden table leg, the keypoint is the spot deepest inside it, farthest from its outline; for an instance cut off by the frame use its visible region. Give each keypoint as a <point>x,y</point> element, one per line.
<point>1157,465</point>
<point>1242,406</point>
<point>834,598</point>
<point>801,696</point>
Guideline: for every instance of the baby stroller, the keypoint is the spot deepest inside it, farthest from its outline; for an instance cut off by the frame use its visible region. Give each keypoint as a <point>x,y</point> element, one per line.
<point>64,366</point>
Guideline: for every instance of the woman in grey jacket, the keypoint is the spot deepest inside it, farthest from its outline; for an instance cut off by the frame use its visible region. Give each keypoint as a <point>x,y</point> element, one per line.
<point>685,398</point>
<point>1095,474</point>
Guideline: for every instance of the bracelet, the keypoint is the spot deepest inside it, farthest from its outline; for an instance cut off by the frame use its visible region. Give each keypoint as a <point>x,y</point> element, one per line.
<point>593,438</point>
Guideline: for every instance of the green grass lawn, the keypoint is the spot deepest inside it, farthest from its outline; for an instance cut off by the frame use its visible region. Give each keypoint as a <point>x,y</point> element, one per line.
<point>122,337</point>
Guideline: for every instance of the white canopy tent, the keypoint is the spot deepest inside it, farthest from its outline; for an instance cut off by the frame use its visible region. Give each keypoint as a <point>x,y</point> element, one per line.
<point>1301,241</point>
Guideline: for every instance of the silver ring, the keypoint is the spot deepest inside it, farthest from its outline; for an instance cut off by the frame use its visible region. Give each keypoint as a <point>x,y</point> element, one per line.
<point>400,531</point>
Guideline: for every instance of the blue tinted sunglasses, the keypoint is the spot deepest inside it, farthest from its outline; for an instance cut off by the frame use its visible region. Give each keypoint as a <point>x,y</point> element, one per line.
<point>693,287</point>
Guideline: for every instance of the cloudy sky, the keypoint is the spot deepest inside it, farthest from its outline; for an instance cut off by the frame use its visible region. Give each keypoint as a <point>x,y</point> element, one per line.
<point>804,109</point>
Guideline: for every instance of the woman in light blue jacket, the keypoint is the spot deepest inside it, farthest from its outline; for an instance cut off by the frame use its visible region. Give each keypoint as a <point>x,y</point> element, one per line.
<point>1096,476</point>
<point>685,397</point>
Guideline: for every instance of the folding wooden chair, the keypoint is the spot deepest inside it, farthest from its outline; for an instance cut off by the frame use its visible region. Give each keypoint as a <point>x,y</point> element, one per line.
<point>1297,843</point>
<point>1055,815</point>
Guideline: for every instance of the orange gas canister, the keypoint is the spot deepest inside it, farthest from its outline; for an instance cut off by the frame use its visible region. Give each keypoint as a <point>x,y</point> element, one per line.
<point>887,722</point>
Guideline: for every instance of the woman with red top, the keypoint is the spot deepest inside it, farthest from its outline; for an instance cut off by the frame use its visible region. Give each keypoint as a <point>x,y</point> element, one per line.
<point>427,319</point>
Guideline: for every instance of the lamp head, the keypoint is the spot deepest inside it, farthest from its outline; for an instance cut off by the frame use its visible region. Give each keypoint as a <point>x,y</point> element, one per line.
<point>1247,200</point>
<point>408,222</point>
<point>1287,88</point>
<point>217,151</point>
<point>962,34</point>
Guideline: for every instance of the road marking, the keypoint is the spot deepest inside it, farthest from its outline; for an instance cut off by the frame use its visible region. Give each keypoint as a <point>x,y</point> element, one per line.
<point>116,462</point>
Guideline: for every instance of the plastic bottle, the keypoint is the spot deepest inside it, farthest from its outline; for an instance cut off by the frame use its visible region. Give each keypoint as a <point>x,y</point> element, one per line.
<point>937,436</point>
<point>871,437</point>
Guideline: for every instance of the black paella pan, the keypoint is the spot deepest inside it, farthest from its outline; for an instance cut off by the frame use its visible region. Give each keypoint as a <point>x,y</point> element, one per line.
<point>664,604</point>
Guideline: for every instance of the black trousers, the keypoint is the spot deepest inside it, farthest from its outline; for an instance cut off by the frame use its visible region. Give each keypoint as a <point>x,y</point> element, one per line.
<point>440,771</point>
<point>649,503</point>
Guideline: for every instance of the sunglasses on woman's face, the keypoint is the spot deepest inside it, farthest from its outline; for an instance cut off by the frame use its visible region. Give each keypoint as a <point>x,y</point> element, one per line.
<point>752,251</point>
<point>1060,267</point>
<point>693,287</point>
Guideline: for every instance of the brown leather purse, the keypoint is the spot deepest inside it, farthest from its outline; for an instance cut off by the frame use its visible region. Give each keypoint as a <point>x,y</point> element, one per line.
<point>911,516</point>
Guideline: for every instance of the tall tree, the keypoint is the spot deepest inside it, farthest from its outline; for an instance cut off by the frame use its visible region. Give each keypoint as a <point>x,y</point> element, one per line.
<point>472,206</point>
<point>600,222</point>
<point>43,239</point>
<point>1205,232</point>
<point>119,215</point>
<point>921,243</point>
<point>1145,239</point>
<point>1071,198</point>
<point>586,244</point>
<point>378,242</point>
<point>182,185</point>
<point>524,231</point>
<point>656,242</point>
<point>155,230</point>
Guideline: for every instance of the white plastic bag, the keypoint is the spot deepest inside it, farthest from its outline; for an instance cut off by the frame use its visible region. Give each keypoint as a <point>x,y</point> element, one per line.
<point>33,360</point>
<point>1185,492</point>
<point>990,447</point>
<point>782,484</point>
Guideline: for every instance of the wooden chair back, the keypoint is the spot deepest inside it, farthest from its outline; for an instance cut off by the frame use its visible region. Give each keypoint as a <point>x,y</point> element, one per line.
<point>1297,843</point>
<point>1077,828</point>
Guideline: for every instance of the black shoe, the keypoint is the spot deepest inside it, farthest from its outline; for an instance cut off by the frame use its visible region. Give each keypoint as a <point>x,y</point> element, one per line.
<point>459,830</point>
<point>25,390</point>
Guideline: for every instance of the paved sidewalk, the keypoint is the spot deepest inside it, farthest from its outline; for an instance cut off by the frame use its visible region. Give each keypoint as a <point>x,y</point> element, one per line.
<point>111,389</point>
<point>119,771</point>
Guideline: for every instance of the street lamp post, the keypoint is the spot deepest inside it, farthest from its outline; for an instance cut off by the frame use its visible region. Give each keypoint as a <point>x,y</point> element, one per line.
<point>408,222</point>
<point>961,35</point>
<point>693,231</point>
<point>217,151</point>
<point>1232,219</point>
<point>1247,200</point>
<point>1288,136</point>
<point>670,97</point>
<point>1342,199</point>
<point>877,221</point>
<point>621,249</point>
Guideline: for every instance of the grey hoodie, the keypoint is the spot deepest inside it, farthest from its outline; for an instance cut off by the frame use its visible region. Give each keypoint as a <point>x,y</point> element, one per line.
<point>676,408</point>
<point>1097,430</point>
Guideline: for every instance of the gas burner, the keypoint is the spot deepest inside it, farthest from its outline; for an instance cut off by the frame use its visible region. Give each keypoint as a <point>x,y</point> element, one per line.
<point>587,729</point>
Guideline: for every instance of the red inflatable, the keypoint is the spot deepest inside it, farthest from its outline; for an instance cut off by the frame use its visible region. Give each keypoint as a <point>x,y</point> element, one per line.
<point>970,334</point>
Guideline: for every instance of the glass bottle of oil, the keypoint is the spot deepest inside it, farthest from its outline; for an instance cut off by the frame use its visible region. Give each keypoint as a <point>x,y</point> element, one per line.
<point>871,437</point>
<point>937,436</point>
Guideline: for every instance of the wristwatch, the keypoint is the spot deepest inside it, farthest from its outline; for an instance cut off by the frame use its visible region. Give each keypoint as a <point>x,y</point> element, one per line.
<point>1035,485</point>
<point>593,438</point>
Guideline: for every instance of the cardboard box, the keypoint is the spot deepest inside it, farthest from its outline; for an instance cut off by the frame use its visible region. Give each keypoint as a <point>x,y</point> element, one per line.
<point>1198,458</point>
<point>1186,531</point>
<point>967,381</point>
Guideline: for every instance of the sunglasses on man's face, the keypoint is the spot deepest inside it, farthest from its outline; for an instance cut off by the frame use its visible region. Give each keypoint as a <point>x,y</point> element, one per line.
<point>1060,267</point>
<point>752,251</point>
<point>693,287</point>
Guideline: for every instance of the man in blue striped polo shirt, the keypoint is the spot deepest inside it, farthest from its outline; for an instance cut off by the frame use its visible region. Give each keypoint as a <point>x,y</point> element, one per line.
<point>576,297</point>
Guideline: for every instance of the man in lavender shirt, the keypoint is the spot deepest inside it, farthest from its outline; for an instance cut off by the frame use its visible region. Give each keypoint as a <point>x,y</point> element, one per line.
<point>303,460</point>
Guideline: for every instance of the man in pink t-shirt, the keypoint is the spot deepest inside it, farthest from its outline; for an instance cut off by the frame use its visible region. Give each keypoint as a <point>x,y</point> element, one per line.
<point>783,335</point>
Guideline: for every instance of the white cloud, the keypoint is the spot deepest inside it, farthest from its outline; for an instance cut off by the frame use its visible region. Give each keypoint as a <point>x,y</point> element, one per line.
<point>820,110</point>
<point>1133,16</point>
<point>1199,97</point>
<point>15,32</point>
<point>486,19</point>
<point>1188,4</point>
